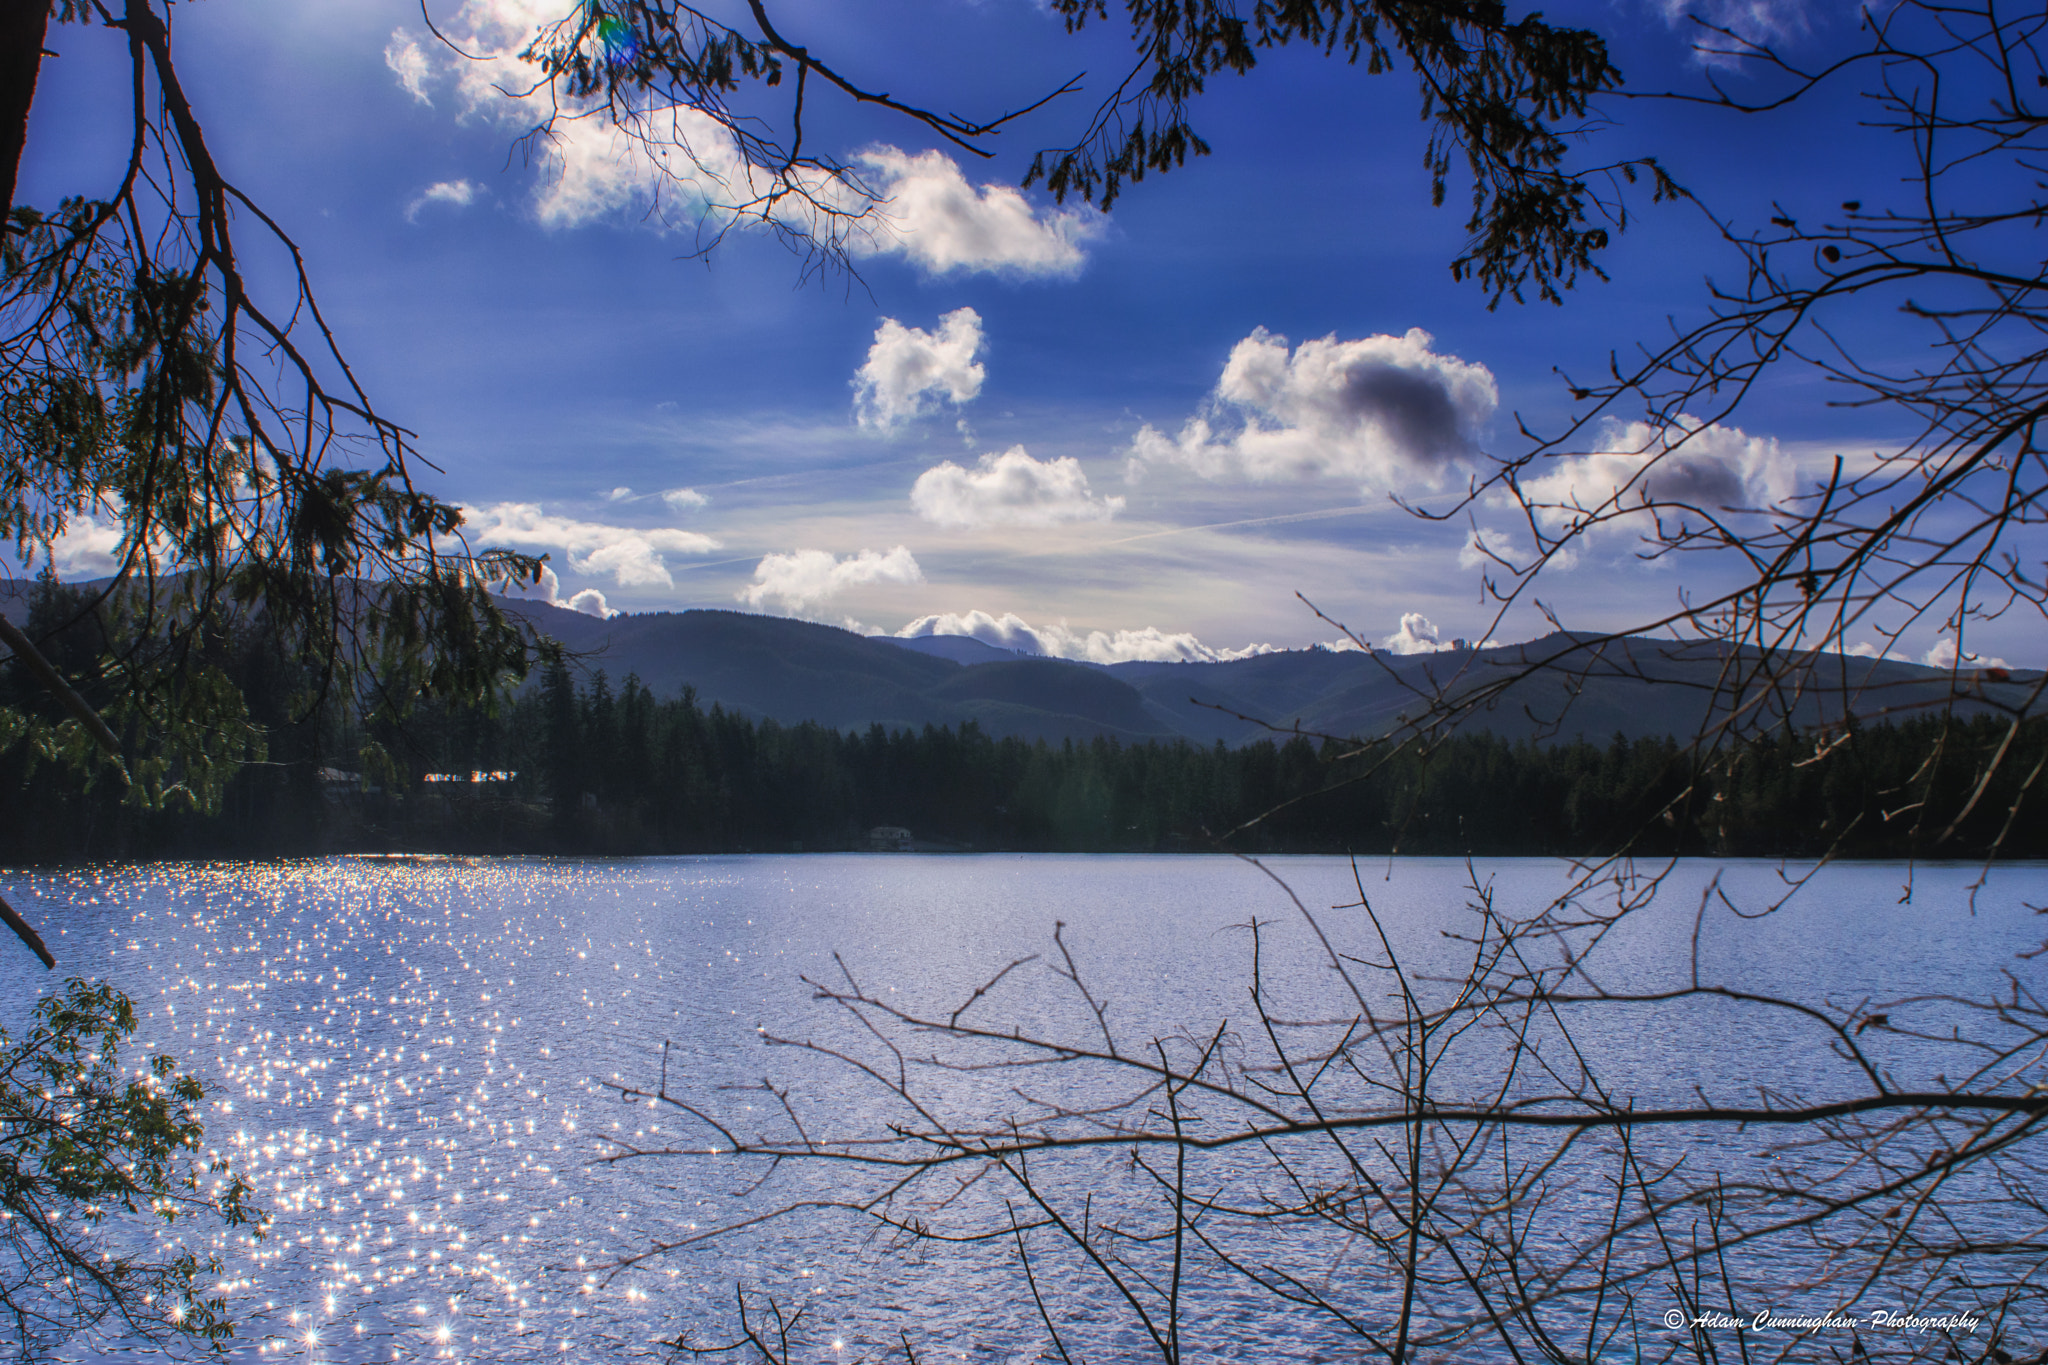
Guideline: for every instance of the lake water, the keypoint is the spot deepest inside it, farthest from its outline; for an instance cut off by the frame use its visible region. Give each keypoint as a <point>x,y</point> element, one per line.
<point>412,1055</point>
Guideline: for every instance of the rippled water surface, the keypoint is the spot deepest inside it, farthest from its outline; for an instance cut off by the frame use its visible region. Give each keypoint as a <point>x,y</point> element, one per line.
<point>412,1055</point>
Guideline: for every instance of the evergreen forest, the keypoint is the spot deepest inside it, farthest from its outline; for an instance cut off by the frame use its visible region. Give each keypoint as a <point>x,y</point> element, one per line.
<point>601,768</point>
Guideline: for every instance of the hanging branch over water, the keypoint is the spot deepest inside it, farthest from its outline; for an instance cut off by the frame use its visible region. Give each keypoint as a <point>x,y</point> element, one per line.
<point>217,433</point>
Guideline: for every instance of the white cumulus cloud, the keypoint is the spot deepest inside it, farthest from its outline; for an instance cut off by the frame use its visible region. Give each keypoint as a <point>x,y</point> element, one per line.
<point>909,370</point>
<point>409,62</point>
<point>1485,548</point>
<point>684,499</point>
<point>680,169</point>
<point>802,577</point>
<point>549,590</point>
<point>1010,631</point>
<point>1943,654</point>
<point>458,194</point>
<point>589,168</point>
<point>631,556</point>
<point>1382,411</point>
<point>1009,489</point>
<point>930,215</point>
<point>1638,470</point>
<point>592,171</point>
<point>88,548</point>
<point>1417,635</point>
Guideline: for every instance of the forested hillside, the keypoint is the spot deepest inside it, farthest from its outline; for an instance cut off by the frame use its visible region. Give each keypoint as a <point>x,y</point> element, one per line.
<point>600,768</point>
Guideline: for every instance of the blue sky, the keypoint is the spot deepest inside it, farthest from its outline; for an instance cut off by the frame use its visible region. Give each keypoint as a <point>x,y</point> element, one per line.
<point>994,416</point>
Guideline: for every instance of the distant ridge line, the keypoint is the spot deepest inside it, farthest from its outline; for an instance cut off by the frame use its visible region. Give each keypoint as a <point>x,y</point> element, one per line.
<point>790,671</point>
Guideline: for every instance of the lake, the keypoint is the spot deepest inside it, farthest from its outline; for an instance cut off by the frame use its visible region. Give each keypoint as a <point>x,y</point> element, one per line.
<point>413,1055</point>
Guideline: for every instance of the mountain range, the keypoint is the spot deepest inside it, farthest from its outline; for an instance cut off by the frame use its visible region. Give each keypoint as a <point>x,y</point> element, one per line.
<point>1562,686</point>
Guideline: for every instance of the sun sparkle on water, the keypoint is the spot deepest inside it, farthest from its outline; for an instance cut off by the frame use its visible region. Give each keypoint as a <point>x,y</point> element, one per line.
<point>381,1085</point>
<point>411,1057</point>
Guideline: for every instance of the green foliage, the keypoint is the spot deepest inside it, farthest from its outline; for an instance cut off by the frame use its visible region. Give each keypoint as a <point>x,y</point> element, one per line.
<point>87,1148</point>
<point>183,764</point>
<point>151,391</point>
<point>1502,96</point>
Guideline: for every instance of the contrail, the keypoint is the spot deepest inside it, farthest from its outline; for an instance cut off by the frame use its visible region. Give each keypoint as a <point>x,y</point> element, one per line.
<point>1251,521</point>
<point>712,563</point>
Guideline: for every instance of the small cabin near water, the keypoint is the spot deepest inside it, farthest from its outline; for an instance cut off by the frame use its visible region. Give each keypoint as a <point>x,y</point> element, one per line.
<point>889,839</point>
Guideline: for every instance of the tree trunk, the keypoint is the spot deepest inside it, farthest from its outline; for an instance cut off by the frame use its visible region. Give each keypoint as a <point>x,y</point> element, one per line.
<point>22,26</point>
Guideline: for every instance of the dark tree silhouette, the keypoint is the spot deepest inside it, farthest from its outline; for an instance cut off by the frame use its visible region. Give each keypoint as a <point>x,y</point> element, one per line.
<point>151,387</point>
